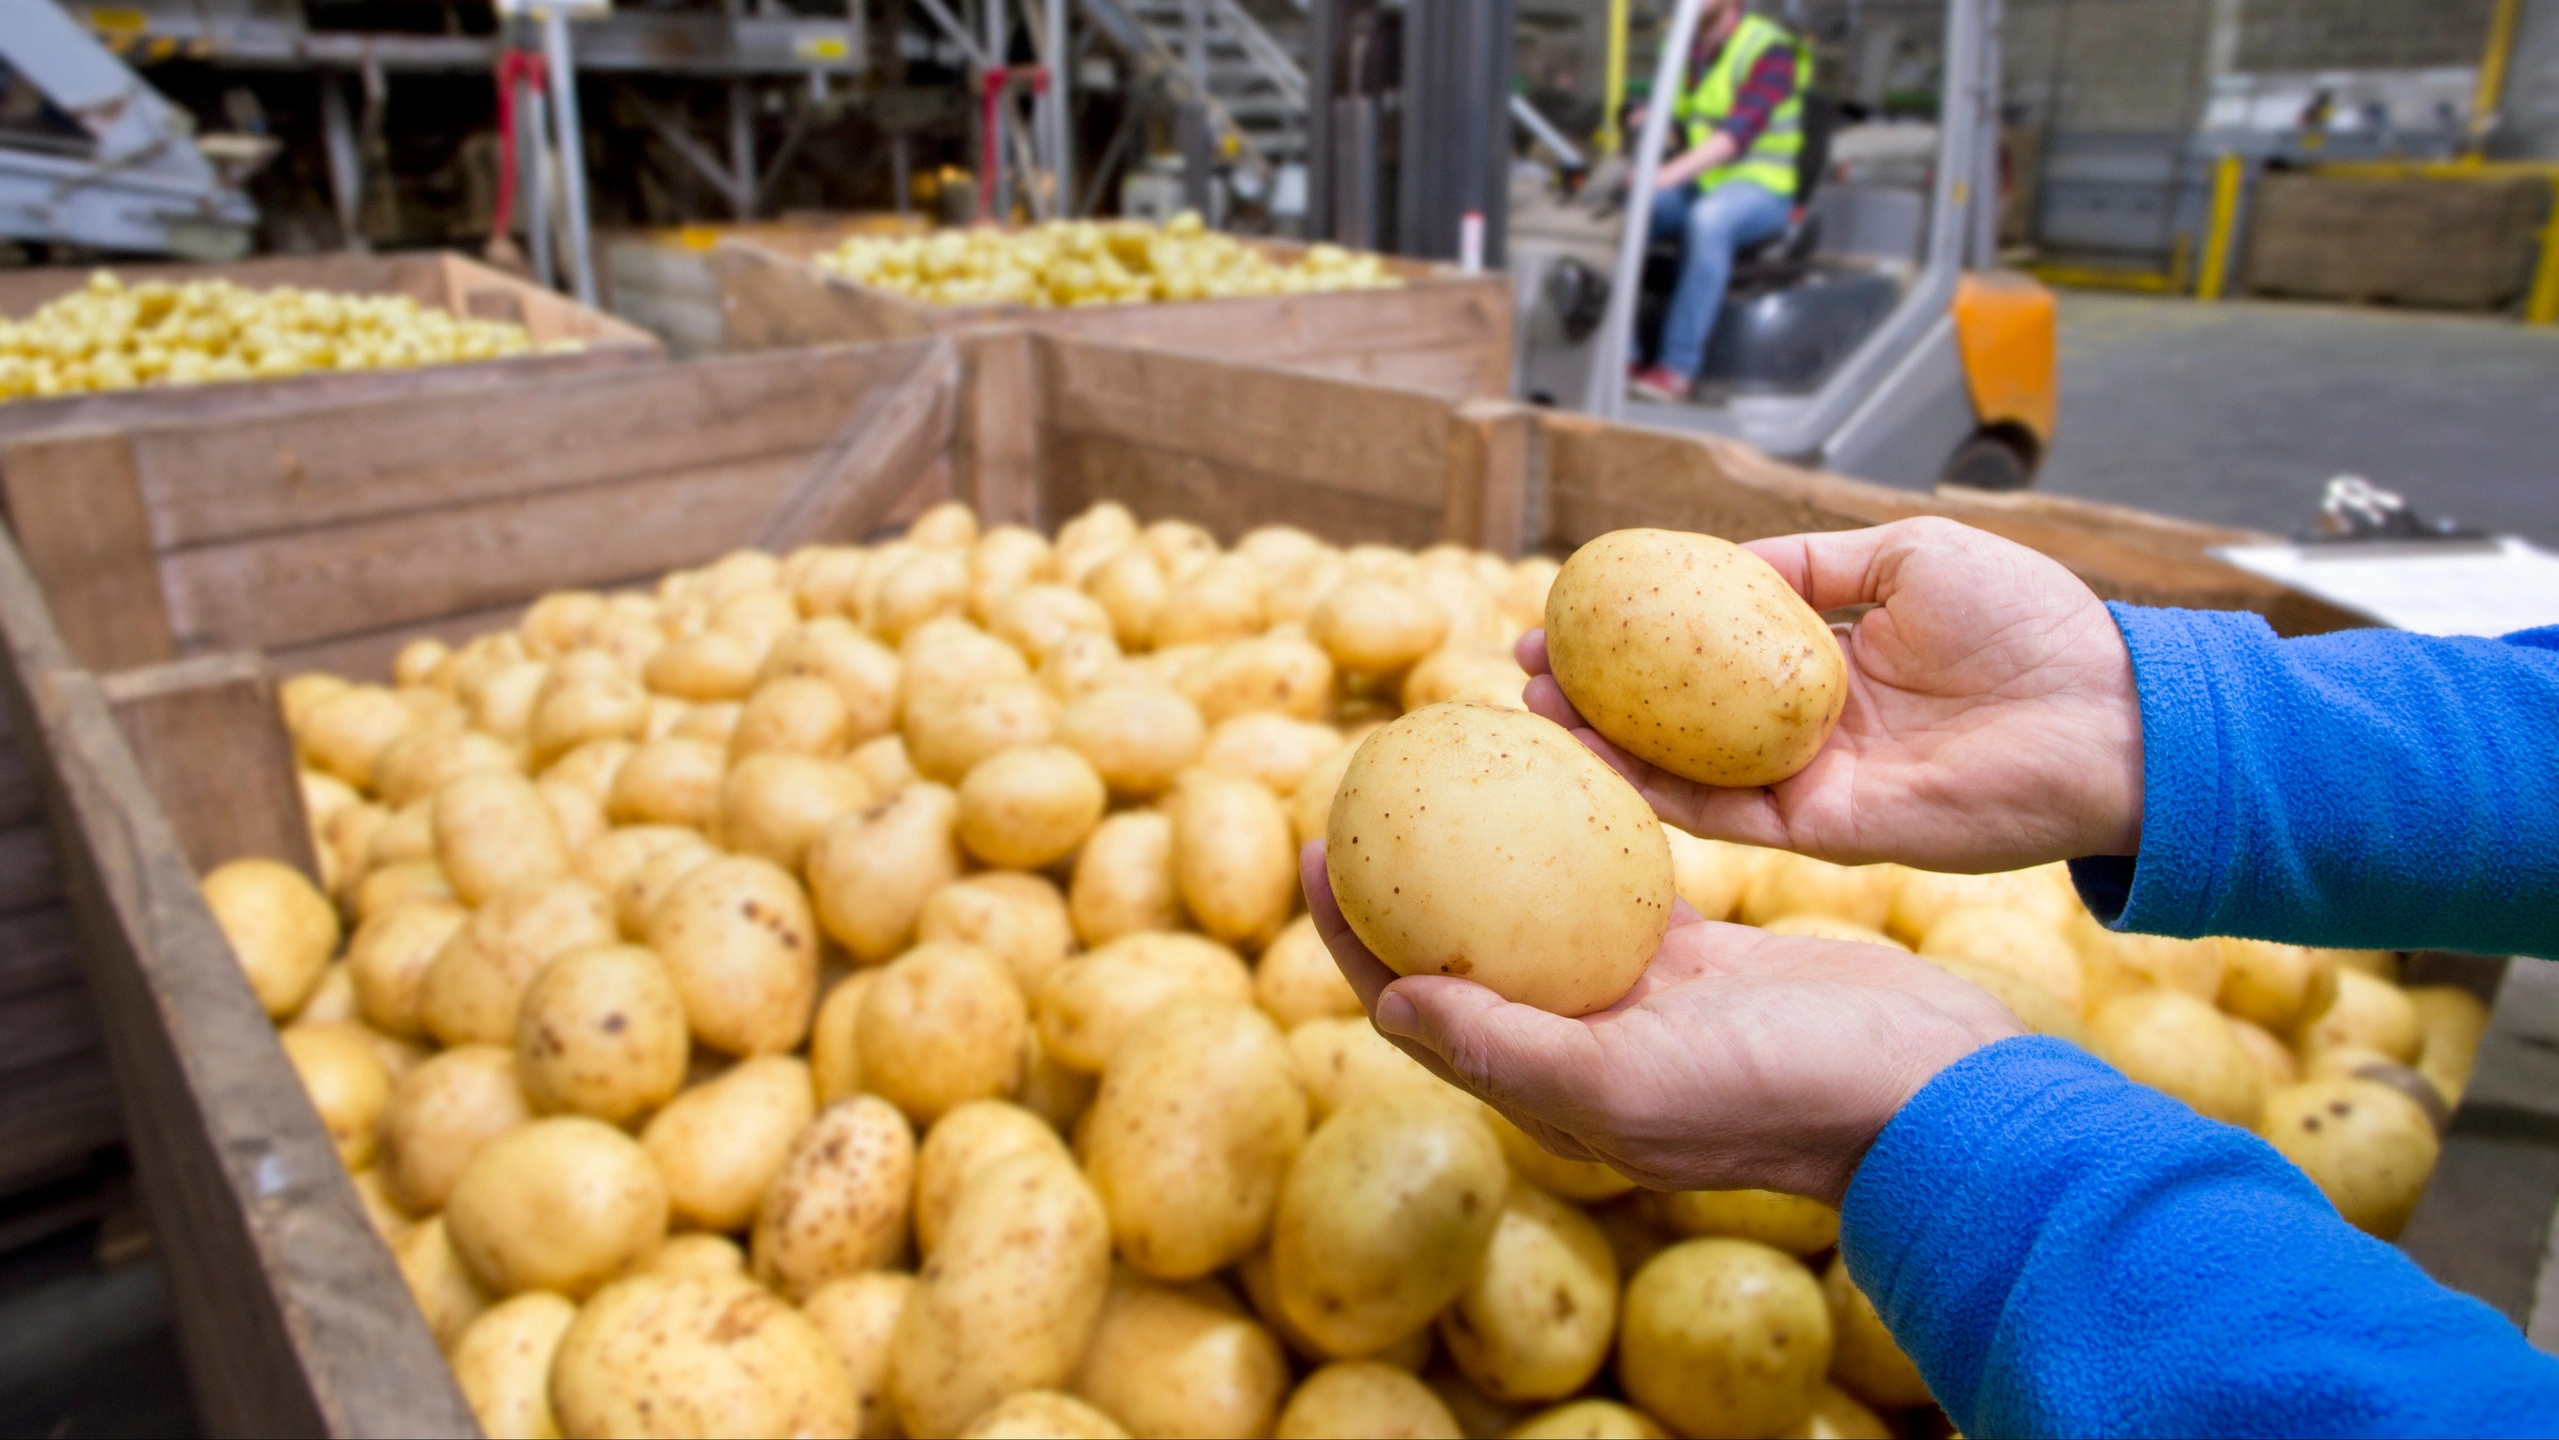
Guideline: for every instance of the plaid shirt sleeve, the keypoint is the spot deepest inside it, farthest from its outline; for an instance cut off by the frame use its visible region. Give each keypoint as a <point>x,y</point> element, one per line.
<point>1771,81</point>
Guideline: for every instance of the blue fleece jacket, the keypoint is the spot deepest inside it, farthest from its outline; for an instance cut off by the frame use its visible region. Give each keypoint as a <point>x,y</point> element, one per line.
<point>2063,1252</point>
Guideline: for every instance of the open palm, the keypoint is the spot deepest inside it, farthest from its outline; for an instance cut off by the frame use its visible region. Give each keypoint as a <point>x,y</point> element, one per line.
<point>1991,721</point>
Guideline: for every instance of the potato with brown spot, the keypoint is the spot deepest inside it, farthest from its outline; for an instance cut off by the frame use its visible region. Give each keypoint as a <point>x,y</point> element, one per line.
<point>280,926</point>
<point>1019,919</point>
<point>683,1356</point>
<point>839,1205</point>
<point>503,1363</point>
<point>475,985</point>
<point>442,1114</point>
<point>1096,998</point>
<point>561,1205</point>
<point>2173,1042</point>
<point>1364,1400</point>
<point>1234,858</point>
<point>740,942</point>
<point>774,806</point>
<point>1124,880</point>
<point>1029,806</point>
<point>1724,1337</point>
<point>1181,1360</point>
<point>871,873</point>
<point>858,1317</point>
<point>720,1143</point>
<point>1536,1317</point>
<point>943,1025</point>
<point>2368,1147</point>
<point>601,1033</point>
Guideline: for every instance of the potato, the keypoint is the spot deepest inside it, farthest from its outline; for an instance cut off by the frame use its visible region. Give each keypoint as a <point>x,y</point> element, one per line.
<point>381,1209</point>
<point>298,695</point>
<point>1827,927</point>
<point>1131,589</point>
<point>871,873</point>
<point>568,715</point>
<point>1349,1399</point>
<point>1489,844</point>
<point>720,1143</point>
<point>409,835</point>
<point>2281,987</point>
<point>2014,941</point>
<point>1724,1337</point>
<point>1281,673</point>
<point>1019,919</point>
<point>862,671</point>
<point>2115,963</point>
<point>774,805</point>
<point>439,1282</point>
<point>1124,880</point>
<point>1217,602</point>
<point>1786,885</point>
<point>473,987</point>
<point>1296,979</point>
<point>1339,1061</point>
<point>342,733</point>
<point>835,1062</point>
<point>592,767</point>
<point>1037,619</point>
<point>858,1317</point>
<point>1921,898</point>
<point>1782,1222</point>
<point>2368,1147</point>
<point>963,1143</point>
<point>883,762</point>
<point>949,739</point>
<point>705,666</point>
<point>332,999</point>
<point>792,715</point>
<point>1004,561</point>
<point>1057,1093</point>
<point>1376,627</point>
<point>1864,1356</point>
<point>670,781</point>
<point>601,1033</point>
<point>679,1356</point>
<point>2274,1058</point>
<point>1010,1298</point>
<point>560,621</point>
<point>839,1205</point>
<point>347,1082</point>
<point>1585,1181</point>
<point>400,884</point>
<point>2031,1003</point>
<point>2174,1042</point>
<point>579,816</point>
<point>2451,1020</point>
<point>646,886</point>
<point>1137,738</point>
<point>1388,1211</point>
<point>1233,858</point>
<point>440,1116</point>
<point>1708,874</point>
<point>1092,537</point>
<point>280,926</point>
<point>1042,1415</point>
<point>1193,1130</point>
<point>1588,1420</point>
<point>1095,999</point>
<point>502,1361</point>
<point>943,1025</point>
<point>423,761</point>
<point>1838,1415</point>
<point>1082,664</point>
<point>1310,805</point>
<point>563,1205</point>
<point>929,586</point>
<point>1273,749</point>
<point>1181,1360</point>
<point>1535,1318</point>
<point>713,725</point>
<point>950,525</point>
<point>2370,1013</point>
<point>696,1252</point>
<point>741,945</point>
<point>1029,806</point>
<point>1692,653</point>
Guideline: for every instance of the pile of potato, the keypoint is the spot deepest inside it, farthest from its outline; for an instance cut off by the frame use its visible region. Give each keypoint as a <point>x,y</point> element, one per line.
<point>110,336</point>
<point>864,992</point>
<point>1093,262</point>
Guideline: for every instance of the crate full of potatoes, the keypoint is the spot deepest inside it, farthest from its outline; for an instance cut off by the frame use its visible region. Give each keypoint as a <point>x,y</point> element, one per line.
<point>866,992</point>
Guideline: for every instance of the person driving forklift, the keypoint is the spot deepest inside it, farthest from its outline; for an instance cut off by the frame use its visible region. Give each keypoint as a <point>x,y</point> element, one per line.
<point>1734,185</point>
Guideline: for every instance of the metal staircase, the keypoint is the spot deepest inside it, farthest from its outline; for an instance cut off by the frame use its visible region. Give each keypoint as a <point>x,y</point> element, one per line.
<point>1216,53</point>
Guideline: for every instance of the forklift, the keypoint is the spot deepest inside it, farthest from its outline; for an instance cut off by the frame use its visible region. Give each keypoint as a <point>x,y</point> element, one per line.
<point>1875,337</point>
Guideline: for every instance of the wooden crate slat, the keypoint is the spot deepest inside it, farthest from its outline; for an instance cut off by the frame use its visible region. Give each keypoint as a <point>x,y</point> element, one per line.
<point>178,718</point>
<point>76,507</point>
<point>38,949</point>
<point>55,1115</point>
<point>44,1025</point>
<point>29,875</point>
<point>1085,469</point>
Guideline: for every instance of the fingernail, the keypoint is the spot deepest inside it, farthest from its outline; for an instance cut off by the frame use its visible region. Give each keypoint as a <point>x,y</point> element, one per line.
<point>1396,1015</point>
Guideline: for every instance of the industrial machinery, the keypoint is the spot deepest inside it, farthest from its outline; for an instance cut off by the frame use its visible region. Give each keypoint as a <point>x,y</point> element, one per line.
<point>1875,337</point>
<point>92,156</point>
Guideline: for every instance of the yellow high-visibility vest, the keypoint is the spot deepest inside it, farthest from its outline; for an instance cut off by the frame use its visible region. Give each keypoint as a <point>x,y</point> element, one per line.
<point>1770,161</point>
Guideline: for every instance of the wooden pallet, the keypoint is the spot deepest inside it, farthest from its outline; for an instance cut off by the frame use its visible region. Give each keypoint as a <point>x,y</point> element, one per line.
<point>163,574</point>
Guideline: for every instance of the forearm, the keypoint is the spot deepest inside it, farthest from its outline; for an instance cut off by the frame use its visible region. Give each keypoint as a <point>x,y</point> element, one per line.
<point>1686,167</point>
<point>2364,789</point>
<point>2063,1252</point>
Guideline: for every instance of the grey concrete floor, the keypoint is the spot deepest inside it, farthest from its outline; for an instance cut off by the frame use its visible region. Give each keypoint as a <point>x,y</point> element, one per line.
<point>2240,412</point>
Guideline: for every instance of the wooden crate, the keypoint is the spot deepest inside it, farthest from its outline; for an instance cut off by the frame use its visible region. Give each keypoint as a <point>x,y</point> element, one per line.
<point>2453,243</point>
<point>662,281</point>
<point>161,575</point>
<point>1445,331</point>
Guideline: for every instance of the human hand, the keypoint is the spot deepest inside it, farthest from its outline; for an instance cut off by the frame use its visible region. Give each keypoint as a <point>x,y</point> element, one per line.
<point>1741,1060</point>
<point>1991,722</point>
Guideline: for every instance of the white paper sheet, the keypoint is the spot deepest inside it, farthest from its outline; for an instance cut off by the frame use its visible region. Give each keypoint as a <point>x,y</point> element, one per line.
<point>2465,591</point>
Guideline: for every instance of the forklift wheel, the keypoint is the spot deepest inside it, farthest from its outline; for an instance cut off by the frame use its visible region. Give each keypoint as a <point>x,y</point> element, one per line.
<point>1989,462</point>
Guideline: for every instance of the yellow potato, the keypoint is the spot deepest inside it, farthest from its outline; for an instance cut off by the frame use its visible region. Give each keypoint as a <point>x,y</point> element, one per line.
<point>332,999</point>
<point>1838,1415</point>
<point>774,806</point>
<point>883,762</point>
<point>475,984</point>
<point>863,672</point>
<point>1708,874</point>
<point>678,1356</point>
<point>282,929</point>
<point>502,1361</point>
<point>1825,927</point>
<point>1136,737</point>
<point>1124,880</point>
<point>340,734</point>
<point>713,725</point>
<point>2274,1058</point>
<point>1535,1319</point>
<point>1004,561</point>
<point>1095,999</point>
<point>592,767</point>
<point>1376,627</point>
<point>1277,673</point>
<point>1195,1126</point>
<point>1352,1399</point>
<point>839,1205</point>
<point>959,1146</point>
<point>298,695</point>
<point>695,1253</point>
<point>409,835</point>
<point>381,1208</point>
<point>347,1082</point>
<point>1057,1093</point>
<point>835,1061</point>
<point>1691,653</point>
<point>2032,1004</point>
<point>1489,844</point>
<point>1724,1337</point>
<point>928,586</point>
<point>639,893</point>
<point>2366,1145</point>
<point>439,1282</point>
<point>2370,1013</point>
<point>561,1205</point>
<point>1863,1355</point>
<point>1388,1211</point>
<point>423,761</point>
<point>1010,1299</point>
<point>1218,601</point>
<point>1029,806</point>
<point>1311,804</point>
<point>2452,1021</point>
<point>1588,1420</point>
<point>1131,589</point>
<point>2014,941</point>
<point>440,1116</point>
<point>400,884</point>
<point>567,715</point>
<point>1585,1181</point>
<point>1780,885</point>
<point>950,525</point>
<point>2281,987</point>
<point>858,1317</point>
<point>1295,980</point>
<point>1465,672</point>
<point>1019,919</point>
<point>1042,1415</point>
<point>871,873</point>
<point>560,621</point>
<point>1091,538</point>
<point>2176,1043</point>
<point>1920,898</point>
<point>601,1033</point>
<point>1340,1061</point>
<point>1276,550</point>
<point>1783,1222</point>
<point>741,945</point>
<point>793,715</point>
<point>1276,750</point>
<point>1181,1360</point>
<point>2116,962</point>
<point>943,1025</point>
<point>1080,665</point>
<point>579,816</point>
<point>669,781</point>
<point>719,1144</point>
<point>949,739</point>
<point>1037,619</point>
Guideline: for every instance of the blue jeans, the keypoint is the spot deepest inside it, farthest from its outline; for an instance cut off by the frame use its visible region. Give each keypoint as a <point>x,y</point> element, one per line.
<point>1710,225</point>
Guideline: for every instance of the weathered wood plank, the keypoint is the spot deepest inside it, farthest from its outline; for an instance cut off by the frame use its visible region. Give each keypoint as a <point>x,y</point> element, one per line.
<point>40,1026</point>
<point>211,742</point>
<point>769,300</point>
<point>874,458</point>
<point>1490,445</point>
<point>29,874</point>
<point>38,949</point>
<point>55,1115</point>
<point>21,794</point>
<point>1081,469</point>
<point>75,504</point>
<point>995,454</point>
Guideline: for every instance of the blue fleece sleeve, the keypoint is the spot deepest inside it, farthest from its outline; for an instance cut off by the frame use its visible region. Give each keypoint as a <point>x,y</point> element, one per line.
<point>2063,1252</point>
<point>2369,789</point>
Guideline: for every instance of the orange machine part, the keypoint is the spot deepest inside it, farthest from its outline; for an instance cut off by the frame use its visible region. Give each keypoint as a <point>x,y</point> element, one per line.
<point>2004,324</point>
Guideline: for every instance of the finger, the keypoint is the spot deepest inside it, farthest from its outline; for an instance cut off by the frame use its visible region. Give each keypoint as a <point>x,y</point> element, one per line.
<point>1831,568</point>
<point>1530,652</point>
<point>1522,1059</point>
<point>1367,974</point>
<point>1546,698</point>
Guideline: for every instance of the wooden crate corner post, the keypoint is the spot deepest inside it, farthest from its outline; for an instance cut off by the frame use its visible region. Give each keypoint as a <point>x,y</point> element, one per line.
<point>1495,464</point>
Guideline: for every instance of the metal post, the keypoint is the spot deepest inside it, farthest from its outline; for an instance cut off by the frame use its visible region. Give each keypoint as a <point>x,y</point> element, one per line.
<point>1613,94</point>
<point>1198,143</point>
<point>1061,133</point>
<point>564,115</point>
<point>1323,155</point>
<point>346,163</point>
<point>1985,101</point>
<point>999,205</point>
<point>741,150</point>
<point>1604,393</point>
<point>533,184</point>
<point>1354,199</point>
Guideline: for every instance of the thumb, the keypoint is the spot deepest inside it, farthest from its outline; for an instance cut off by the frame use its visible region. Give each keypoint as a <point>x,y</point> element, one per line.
<point>1516,1056</point>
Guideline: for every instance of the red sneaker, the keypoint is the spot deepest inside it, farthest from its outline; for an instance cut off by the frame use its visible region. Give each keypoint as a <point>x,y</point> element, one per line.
<point>1660,383</point>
